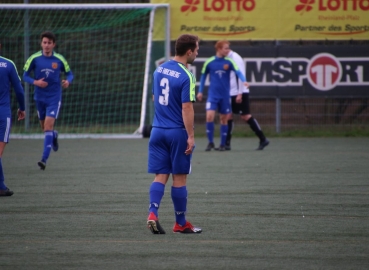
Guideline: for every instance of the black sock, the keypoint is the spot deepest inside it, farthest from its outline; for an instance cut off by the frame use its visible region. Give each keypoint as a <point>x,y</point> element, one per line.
<point>229,133</point>
<point>254,125</point>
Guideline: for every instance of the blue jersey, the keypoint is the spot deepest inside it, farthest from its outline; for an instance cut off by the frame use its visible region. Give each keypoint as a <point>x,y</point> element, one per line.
<point>9,77</point>
<point>219,70</point>
<point>49,68</point>
<point>173,84</point>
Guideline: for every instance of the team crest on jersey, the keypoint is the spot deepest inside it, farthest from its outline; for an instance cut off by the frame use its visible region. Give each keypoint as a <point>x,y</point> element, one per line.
<point>54,65</point>
<point>226,67</point>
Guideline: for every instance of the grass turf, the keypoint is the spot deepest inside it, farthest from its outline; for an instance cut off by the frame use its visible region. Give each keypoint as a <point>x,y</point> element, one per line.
<point>301,203</point>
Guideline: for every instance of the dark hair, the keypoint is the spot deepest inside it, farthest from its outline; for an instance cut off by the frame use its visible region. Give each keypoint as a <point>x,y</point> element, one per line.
<point>49,35</point>
<point>184,43</point>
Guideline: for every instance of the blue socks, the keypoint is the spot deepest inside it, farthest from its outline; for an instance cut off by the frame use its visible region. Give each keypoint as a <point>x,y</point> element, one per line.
<point>48,141</point>
<point>2,184</point>
<point>179,198</point>
<point>156,194</point>
<point>210,131</point>
<point>223,134</point>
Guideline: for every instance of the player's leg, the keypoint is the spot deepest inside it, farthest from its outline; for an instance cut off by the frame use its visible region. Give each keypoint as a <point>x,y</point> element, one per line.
<point>229,132</point>
<point>48,112</point>
<point>41,112</point>
<point>181,168</point>
<point>230,123</point>
<point>55,132</point>
<point>5,124</point>
<point>160,164</point>
<point>210,114</point>
<point>48,124</point>
<point>252,122</point>
<point>224,110</point>
<point>179,198</point>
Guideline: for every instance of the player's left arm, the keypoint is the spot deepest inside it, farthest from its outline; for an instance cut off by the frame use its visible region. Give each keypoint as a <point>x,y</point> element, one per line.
<point>238,72</point>
<point>188,116</point>
<point>241,65</point>
<point>67,71</point>
<point>67,82</point>
<point>19,91</point>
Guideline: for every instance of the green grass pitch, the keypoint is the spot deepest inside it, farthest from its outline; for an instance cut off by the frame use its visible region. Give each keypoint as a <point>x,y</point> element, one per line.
<point>301,203</point>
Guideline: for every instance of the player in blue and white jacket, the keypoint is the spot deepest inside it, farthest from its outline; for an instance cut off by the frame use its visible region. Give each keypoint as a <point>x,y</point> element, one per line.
<point>47,67</point>
<point>8,77</point>
<point>219,69</point>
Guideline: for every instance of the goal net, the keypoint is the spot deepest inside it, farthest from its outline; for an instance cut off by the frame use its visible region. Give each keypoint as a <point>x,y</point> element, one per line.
<point>111,52</point>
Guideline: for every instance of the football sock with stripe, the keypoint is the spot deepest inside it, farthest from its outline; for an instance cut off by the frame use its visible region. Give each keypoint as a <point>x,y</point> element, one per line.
<point>49,135</point>
<point>254,125</point>
<point>2,184</point>
<point>223,134</point>
<point>179,198</point>
<point>156,193</point>
<point>210,131</point>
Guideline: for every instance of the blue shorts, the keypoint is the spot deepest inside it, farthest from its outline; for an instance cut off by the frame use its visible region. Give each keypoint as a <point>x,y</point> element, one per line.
<point>5,125</point>
<point>222,104</point>
<point>167,151</point>
<point>50,109</point>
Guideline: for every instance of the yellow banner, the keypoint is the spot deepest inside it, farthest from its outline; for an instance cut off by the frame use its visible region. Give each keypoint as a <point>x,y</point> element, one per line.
<point>270,19</point>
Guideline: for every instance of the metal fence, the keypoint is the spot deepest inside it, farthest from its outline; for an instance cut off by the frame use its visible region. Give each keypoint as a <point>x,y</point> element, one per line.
<point>292,114</point>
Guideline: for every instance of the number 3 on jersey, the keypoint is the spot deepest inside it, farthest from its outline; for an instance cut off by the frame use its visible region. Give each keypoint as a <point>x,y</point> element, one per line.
<point>164,99</point>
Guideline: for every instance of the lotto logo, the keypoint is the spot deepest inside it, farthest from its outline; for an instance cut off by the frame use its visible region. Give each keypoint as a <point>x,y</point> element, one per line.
<point>332,5</point>
<point>218,5</point>
<point>305,5</point>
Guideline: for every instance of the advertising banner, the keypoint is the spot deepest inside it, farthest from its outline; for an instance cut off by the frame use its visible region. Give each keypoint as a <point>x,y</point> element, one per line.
<point>295,71</point>
<point>270,19</point>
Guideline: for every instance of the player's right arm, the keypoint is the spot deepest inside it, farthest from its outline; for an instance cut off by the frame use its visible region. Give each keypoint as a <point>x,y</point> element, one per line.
<point>28,67</point>
<point>204,73</point>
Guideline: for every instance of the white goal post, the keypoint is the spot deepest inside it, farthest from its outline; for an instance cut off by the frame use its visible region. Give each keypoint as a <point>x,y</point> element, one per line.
<point>111,49</point>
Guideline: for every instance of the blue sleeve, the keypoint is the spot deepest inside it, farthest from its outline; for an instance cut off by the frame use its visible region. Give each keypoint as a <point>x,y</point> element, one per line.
<point>28,67</point>
<point>70,76</point>
<point>19,92</point>
<point>27,78</point>
<point>202,82</point>
<point>240,75</point>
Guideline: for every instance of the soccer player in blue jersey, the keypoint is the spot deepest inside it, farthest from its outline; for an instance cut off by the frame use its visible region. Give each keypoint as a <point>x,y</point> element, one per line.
<point>218,68</point>
<point>47,67</point>
<point>172,138</point>
<point>8,77</point>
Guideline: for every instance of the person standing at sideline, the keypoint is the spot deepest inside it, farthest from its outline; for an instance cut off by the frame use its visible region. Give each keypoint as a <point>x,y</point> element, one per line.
<point>219,68</point>
<point>241,105</point>
<point>47,67</point>
<point>8,77</point>
<point>172,139</point>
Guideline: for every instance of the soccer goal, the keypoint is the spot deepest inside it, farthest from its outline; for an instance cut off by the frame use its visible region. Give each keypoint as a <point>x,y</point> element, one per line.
<point>111,49</point>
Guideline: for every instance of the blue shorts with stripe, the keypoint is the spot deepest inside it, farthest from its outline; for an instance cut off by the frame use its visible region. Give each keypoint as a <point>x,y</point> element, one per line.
<point>50,108</point>
<point>5,126</point>
<point>167,151</point>
<point>221,104</point>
